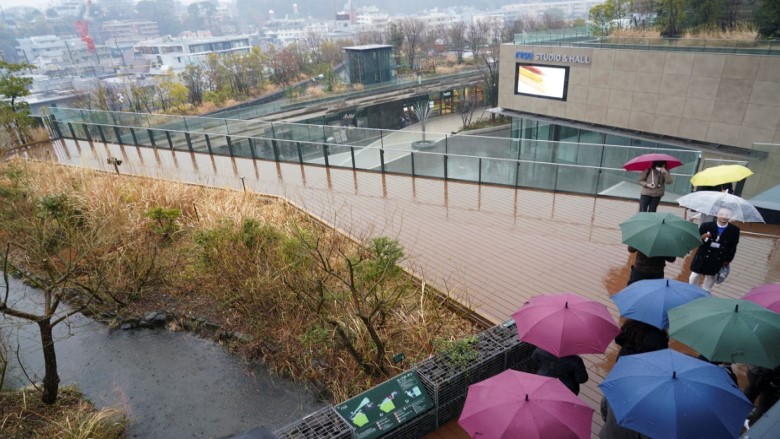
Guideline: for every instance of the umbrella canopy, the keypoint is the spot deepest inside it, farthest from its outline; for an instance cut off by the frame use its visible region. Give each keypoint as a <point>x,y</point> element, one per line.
<point>645,161</point>
<point>660,234</point>
<point>666,394</point>
<point>728,330</point>
<point>717,175</point>
<point>515,404</point>
<point>708,203</point>
<point>649,300</point>
<point>566,324</point>
<point>767,296</point>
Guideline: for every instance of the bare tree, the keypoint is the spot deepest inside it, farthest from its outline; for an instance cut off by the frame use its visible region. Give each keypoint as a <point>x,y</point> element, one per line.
<point>511,26</point>
<point>456,37</point>
<point>477,37</point>
<point>413,31</point>
<point>466,109</point>
<point>489,71</point>
<point>53,249</point>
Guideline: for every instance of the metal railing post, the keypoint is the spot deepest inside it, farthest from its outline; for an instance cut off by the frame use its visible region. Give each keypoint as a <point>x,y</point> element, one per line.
<point>135,138</point>
<point>445,166</point>
<point>517,174</point>
<point>208,144</point>
<point>189,142</point>
<point>300,154</point>
<point>86,132</point>
<point>352,153</point>
<point>151,137</point>
<point>382,159</point>
<point>118,136</point>
<point>170,141</point>
<point>412,154</point>
<point>325,154</point>
<point>479,178</point>
<point>252,148</point>
<point>72,132</point>
<point>230,146</point>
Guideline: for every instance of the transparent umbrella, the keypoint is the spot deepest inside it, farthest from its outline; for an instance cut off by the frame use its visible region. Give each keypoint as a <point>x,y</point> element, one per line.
<point>709,203</point>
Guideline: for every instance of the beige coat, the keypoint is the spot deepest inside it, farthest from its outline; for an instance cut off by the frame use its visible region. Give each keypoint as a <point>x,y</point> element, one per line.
<point>659,179</point>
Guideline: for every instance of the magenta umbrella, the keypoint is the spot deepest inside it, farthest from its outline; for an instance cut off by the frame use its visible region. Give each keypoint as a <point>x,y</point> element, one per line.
<point>767,296</point>
<point>516,404</point>
<point>566,324</point>
<point>645,161</point>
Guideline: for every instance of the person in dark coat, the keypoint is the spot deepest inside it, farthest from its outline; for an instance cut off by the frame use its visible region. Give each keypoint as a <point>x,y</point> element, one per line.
<point>637,337</point>
<point>719,245</point>
<point>763,390</point>
<point>652,184</point>
<point>611,429</point>
<point>569,370</point>
<point>647,267</point>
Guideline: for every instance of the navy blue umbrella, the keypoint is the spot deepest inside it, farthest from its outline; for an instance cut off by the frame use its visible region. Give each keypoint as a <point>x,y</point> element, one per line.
<point>649,300</point>
<point>666,394</point>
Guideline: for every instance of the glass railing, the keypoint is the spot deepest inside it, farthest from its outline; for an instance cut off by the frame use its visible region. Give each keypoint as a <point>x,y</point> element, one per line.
<point>506,162</point>
<point>715,45</point>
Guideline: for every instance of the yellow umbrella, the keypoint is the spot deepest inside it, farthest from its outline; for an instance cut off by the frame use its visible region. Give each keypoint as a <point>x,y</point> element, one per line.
<point>720,174</point>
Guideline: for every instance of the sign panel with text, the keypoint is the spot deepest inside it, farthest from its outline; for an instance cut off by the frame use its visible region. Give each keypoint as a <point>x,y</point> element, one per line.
<point>542,81</point>
<point>386,406</point>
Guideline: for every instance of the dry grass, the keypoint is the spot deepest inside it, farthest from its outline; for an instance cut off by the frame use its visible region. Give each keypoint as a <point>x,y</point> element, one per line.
<point>24,416</point>
<point>230,284</point>
<point>742,32</point>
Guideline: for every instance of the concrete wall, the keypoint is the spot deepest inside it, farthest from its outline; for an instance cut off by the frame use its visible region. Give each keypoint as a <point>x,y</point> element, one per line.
<point>716,98</point>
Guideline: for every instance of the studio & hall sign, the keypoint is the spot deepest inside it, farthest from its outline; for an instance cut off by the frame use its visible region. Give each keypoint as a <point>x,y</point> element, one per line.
<point>552,57</point>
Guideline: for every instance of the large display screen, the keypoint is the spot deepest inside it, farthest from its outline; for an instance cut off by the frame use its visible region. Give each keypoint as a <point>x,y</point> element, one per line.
<point>542,81</point>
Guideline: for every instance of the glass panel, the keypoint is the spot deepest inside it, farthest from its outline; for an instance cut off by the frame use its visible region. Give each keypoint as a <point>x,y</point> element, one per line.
<point>566,153</point>
<point>398,163</point>
<point>199,143</point>
<point>312,153</point>
<point>241,147</point>
<point>108,133</point>
<point>591,137</point>
<point>463,168</point>
<point>577,179</point>
<point>429,164</point>
<point>81,130</point>
<point>368,158</point>
<point>499,171</point>
<point>567,134</point>
<point>219,145</point>
<point>339,156</point>
<point>618,183</point>
<point>537,175</point>
<point>288,151</point>
<point>544,131</point>
<point>589,155</point>
<point>644,143</point>
<point>179,141</point>
<point>264,149</point>
<point>613,139</point>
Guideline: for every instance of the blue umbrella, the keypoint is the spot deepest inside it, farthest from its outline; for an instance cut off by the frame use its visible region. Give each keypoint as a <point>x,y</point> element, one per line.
<point>649,300</point>
<point>667,394</point>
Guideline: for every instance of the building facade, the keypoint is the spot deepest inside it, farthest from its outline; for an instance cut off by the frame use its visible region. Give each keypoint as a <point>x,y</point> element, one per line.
<point>176,53</point>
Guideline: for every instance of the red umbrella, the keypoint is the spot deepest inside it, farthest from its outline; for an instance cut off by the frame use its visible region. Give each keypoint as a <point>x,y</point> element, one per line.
<point>566,324</point>
<point>645,161</point>
<point>767,296</point>
<point>515,404</point>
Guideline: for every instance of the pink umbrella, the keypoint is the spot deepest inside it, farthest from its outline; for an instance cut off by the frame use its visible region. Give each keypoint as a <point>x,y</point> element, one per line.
<point>767,296</point>
<point>566,324</point>
<point>515,404</point>
<point>645,161</point>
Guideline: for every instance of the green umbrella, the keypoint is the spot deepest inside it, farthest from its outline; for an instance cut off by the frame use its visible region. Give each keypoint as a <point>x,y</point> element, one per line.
<point>660,234</point>
<point>728,330</point>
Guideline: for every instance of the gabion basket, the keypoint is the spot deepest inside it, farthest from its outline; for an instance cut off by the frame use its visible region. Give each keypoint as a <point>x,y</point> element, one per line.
<point>324,423</point>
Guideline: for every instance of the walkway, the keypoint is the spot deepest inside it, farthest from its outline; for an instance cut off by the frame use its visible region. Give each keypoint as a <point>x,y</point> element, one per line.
<point>492,247</point>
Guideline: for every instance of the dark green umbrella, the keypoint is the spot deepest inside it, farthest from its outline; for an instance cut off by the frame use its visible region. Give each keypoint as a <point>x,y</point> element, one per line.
<point>660,234</point>
<point>728,330</point>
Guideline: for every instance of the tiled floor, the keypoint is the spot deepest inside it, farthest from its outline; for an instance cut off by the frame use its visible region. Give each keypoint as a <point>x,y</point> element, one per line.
<point>492,247</point>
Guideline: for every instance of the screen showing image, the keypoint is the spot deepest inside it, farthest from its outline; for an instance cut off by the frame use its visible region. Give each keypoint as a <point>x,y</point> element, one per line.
<point>542,81</point>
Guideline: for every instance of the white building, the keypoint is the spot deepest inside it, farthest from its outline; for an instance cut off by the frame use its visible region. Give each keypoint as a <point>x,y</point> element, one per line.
<point>176,53</point>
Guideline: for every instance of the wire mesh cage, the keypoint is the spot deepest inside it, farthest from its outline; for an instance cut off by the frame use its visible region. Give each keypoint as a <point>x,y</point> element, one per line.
<point>324,423</point>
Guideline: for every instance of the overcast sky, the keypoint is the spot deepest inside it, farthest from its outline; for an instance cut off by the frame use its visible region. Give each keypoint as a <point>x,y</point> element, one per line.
<point>40,4</point>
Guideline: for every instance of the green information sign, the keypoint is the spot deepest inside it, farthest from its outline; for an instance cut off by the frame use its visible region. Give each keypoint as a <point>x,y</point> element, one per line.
<point>386,406</point>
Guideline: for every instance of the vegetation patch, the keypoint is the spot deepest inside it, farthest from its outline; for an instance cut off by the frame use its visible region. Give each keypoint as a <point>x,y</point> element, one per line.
<point>24,416</point>
<point>312,304</point>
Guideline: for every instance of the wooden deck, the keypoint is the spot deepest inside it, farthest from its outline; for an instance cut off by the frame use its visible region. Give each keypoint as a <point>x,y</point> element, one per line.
<point>491,247</point>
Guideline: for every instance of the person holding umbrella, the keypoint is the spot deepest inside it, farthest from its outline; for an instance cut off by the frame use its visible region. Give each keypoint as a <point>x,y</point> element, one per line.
<point>653,183</point>
<point>570,370</point>
<point>647,267</point>
<point>717,250</point>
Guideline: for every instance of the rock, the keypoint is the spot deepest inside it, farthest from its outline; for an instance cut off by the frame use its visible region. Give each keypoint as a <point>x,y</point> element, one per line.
<point>244,338</point>
<point>108,315</point>
<point>126,326</point>
<point>159,320</point>
<point>148,317</point>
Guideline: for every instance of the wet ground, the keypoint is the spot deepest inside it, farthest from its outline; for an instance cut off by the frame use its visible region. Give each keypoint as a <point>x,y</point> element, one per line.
<point>174,385</point>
